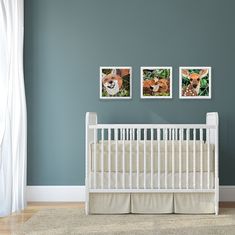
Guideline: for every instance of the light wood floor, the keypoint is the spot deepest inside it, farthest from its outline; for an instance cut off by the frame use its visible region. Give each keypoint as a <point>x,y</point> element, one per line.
<point>8,224</point>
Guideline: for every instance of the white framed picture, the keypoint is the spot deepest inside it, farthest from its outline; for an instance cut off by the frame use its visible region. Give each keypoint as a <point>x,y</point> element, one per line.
<point>115,82</point>
<point>156,82</point>
<point>195,82</point>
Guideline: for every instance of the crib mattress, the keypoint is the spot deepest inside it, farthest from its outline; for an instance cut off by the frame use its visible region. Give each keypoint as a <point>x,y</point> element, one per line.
<point>155,180</point>
<point>203,151</point>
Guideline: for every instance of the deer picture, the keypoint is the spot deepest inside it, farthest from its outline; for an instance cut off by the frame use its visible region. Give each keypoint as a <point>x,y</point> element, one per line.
<point>195,81</point>
<point>155,86</point>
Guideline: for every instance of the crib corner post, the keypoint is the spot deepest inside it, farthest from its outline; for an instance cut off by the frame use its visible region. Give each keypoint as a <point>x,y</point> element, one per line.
<point>91,119</point>
<point>213,119</point>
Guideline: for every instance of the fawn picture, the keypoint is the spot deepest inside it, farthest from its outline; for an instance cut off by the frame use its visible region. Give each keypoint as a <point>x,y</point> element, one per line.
<point>156,82</point>
<point>195,82</point>
<point>115,82</point>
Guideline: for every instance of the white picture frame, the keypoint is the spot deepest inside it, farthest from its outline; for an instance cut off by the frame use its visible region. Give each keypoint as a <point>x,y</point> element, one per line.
<point>121,82</point>
<point>147,91</point>
<point>191,92</point>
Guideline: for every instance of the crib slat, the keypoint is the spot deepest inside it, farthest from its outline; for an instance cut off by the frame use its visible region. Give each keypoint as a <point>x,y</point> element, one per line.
<point>95,136</point>
<point>151,180</point>
<point>116,158</point>
<point>208,158</point>
<point>194,158</point>
<point>130,174</point>
<point>138,158</point>
<point>173,158</point>
<point>159,157</point>
<point>187,157</point>
<point>201,157</point>
<point>180,157</point>
<point>123,159</point>
<point>102,158</point>
<point>145,135</point>
<point>127,134</point>
<point>133,134</point>
<point>166,158</point>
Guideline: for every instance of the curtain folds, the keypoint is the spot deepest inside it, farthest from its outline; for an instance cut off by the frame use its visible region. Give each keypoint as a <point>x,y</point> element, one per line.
<point>13,123</point>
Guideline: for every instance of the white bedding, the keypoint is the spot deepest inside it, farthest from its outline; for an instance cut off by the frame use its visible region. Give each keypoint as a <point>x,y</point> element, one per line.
<point>155,180</point>
<point>168,146</point>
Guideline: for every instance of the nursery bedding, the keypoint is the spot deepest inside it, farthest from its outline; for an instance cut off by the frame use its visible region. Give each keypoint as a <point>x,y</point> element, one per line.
<point>166,149</point>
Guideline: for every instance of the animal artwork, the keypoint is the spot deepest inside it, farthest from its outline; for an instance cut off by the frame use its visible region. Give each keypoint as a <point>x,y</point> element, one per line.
<point>112,83</point>
<point>194,82</point>
<point>156,86</point>
<point>115,82</point>
<point>156,83</point>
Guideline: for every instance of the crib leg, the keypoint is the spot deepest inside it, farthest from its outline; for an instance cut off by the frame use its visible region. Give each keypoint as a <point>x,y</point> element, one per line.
<point>217,197</point>
<point>87,199</point>
<point>216,210</point>
<point>87,207</point>
<point>216,207</point>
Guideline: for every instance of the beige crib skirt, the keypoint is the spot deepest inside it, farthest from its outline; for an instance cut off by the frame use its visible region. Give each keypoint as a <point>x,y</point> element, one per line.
<point>151,203</point>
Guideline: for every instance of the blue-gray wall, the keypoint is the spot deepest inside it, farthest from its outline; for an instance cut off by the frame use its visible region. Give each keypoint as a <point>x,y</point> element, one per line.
<point>67,40</point>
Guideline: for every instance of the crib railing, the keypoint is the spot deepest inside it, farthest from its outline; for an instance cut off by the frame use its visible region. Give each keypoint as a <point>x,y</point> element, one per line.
<point>157,136</point>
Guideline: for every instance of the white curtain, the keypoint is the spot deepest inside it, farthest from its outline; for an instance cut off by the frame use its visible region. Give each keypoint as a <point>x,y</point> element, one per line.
<point>12,108</point>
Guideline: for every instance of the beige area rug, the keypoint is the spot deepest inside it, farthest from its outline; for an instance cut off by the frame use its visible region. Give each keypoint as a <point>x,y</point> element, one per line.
<point>74,221</point>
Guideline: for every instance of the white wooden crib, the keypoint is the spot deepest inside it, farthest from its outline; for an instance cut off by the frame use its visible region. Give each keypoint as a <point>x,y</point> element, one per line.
<point>152,168</point>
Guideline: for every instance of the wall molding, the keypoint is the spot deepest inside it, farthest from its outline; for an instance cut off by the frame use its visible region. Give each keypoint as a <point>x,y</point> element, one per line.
<point>55,193</point>
<point>227,193</point>
<point>77,193</point>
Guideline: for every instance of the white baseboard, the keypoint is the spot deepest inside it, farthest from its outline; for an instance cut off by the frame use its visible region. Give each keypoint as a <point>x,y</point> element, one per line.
<point>77,193</point>
<point>227,193</point>
<point>55,193</point>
